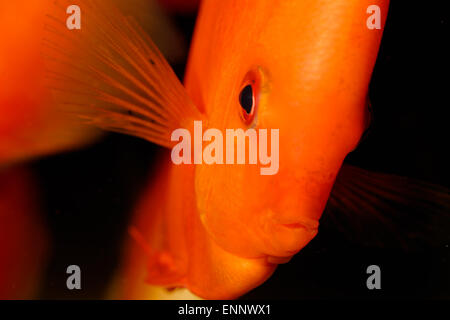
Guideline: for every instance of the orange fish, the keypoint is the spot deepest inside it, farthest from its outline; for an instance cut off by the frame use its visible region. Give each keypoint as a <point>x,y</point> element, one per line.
<point>30,123</point>
<point>302,67</point>
<point>23,238</point>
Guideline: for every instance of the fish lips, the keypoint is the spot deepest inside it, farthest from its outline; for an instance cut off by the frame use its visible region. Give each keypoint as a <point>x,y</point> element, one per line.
<point>284,238</point>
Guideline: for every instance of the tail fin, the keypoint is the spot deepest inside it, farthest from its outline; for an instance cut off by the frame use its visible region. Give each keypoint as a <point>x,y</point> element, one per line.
<point>110,74</point>
<point>382,209</point>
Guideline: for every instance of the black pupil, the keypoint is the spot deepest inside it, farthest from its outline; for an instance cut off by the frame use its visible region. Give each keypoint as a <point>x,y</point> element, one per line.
<point>246,99</point>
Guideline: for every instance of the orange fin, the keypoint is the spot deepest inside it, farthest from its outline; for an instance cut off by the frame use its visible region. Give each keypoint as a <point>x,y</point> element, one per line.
<point>153,19</point>
<point>162,269</point>
<point>110,74</point>
<point>377,209</point>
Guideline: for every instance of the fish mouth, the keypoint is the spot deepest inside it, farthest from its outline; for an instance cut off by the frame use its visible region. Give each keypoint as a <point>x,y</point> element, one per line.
<point>295,225</point>
<point>294,221</point>
<point>288,235</point>
<point>309,225</point>
<point>288,239</point>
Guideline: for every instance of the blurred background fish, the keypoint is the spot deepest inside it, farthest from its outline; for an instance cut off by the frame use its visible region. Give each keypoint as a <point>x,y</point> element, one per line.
<point>31,125</point>
<point>24,240</point>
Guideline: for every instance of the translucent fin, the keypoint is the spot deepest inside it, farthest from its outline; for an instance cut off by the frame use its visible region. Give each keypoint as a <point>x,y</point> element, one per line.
<point>379,209</point>
<point>110,74</point>
<point>154,20</point>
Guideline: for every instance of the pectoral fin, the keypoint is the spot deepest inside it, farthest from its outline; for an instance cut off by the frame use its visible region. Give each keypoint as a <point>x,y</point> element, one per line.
<point>377,209</point>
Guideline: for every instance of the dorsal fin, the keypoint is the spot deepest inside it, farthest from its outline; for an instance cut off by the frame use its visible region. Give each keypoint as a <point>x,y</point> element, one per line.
<point>110,73</point>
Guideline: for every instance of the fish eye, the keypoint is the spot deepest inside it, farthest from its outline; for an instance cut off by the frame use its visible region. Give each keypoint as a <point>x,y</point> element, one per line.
<point>249,95</point>
<point>247,100</point>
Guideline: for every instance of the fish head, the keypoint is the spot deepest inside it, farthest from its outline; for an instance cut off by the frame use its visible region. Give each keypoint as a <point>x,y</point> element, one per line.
<point>308,64</point>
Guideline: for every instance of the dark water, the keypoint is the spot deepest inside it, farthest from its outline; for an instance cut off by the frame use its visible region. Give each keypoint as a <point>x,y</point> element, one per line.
<point>89,193</point>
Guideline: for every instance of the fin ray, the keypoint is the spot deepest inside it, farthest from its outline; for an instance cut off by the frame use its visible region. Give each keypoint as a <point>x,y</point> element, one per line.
<point>110,74</point>
<point>381,209</point>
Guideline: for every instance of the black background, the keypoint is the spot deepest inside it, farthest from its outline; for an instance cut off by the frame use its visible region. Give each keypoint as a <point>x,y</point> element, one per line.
<point>89,194</point>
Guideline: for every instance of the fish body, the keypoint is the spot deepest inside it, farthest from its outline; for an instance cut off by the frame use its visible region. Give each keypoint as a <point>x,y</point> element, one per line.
<point>311,62</point>
<point>171,248</point>
<point>220,230</point>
